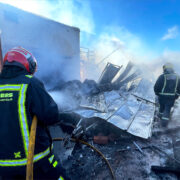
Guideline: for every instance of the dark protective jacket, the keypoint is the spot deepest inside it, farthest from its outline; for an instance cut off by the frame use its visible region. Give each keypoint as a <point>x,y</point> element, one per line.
<point>168,85</point>
<point>21,97</point>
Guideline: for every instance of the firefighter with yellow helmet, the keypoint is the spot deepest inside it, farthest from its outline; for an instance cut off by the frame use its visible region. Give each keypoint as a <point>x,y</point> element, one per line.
<point>167,88</point>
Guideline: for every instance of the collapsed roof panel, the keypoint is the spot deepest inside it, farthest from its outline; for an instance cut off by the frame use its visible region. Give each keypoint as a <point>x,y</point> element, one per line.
<point>130,74</point>
<point>145,90</point>
<point>125,72</point>
<point>142,123</point>
<point>109,73</point>
<point>122,117</point>
<point>127,114</point>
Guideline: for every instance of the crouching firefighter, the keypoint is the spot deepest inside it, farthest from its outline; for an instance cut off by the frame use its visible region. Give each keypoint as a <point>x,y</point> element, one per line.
<point>21,97</point>
<point>167,88</point>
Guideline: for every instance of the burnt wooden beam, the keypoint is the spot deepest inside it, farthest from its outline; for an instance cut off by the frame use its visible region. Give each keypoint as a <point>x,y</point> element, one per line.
<point>166,169</point>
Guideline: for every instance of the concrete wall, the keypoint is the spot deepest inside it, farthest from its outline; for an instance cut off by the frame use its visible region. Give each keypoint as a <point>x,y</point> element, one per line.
<point>56,46</point>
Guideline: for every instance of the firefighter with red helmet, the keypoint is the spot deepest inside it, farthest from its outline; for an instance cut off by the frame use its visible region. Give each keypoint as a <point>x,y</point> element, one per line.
<point>167,88</point>
<point>21,97</point>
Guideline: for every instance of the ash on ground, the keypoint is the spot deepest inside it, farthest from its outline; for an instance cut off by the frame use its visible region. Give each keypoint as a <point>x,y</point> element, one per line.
<point>130,157</point>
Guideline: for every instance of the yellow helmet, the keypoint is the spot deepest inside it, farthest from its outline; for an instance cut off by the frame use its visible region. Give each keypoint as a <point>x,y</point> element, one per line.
<point>167,66</point>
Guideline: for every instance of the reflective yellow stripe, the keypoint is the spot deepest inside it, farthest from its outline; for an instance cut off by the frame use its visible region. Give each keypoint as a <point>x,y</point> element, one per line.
<point>55,164</point>
<point>20,162</point>
<point>21,109</point>
<point>61,178</point>
<point>9,87</point>
<point>23,162</point>
<point>164,118</point>
<point>41,155</point>
<point>164,84</point>
<point>51,159</point>
<point>29,76</point>
<point>167,94</point>
<point>177,78</point>
<point>23,126</point>
<point>22,117</point>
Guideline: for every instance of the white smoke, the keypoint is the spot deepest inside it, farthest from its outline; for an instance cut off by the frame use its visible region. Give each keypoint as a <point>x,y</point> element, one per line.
<point>167,56</point>
<point>70,12</point>
<point>130,47</point>
<point>125,45</point>
<point>118,46</point>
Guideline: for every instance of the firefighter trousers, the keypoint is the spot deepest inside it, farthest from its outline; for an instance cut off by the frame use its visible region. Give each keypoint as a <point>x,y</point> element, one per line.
<point>165,109</point>
<point>48,169</point>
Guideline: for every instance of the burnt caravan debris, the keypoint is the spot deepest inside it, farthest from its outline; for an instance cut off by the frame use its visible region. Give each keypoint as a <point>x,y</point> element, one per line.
<point>109,73</point>
<point>126,112</point>
<point>129,113</point>
<point>116,105</point>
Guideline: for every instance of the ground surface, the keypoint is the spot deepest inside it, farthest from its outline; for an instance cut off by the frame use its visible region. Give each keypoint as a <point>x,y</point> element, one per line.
<point>127,161</point>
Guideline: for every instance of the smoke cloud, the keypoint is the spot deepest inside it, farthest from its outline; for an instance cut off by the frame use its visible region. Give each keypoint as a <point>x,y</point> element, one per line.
<point>167,56</point>
<point>123,44</point>
<point>117,45</point>
<point>72,12</point>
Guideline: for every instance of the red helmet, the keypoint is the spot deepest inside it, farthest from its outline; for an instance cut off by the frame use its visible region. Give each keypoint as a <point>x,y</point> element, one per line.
<point>19,56</point>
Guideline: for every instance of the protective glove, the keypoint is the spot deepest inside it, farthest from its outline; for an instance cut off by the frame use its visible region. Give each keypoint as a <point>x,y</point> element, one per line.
<point>67,127</point>
<point>70,117</point>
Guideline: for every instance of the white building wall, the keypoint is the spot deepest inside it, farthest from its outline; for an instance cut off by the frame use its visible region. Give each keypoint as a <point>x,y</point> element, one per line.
<point>55,45</point>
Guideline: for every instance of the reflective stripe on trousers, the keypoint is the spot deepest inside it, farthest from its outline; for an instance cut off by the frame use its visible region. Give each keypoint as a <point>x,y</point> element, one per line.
<point>165,118</point>
<point>23,162</point>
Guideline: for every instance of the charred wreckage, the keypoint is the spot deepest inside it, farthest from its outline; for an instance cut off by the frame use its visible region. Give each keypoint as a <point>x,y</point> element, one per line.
<point>118,119</point>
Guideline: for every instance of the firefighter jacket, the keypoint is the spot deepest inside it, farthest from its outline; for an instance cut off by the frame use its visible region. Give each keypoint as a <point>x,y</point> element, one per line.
<point>21,97</point>
<point>168,84</point>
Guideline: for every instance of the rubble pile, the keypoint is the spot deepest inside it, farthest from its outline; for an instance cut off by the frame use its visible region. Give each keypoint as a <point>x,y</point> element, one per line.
<point>121,125</point>
<point>130,158</point>
<point>113,101</point>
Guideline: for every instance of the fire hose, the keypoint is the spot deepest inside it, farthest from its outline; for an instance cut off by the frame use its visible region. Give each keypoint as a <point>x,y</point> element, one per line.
<point>29,168</point>
<point>92,147</point>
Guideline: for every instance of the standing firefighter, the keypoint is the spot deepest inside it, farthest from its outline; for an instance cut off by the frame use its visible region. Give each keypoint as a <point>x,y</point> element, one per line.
<point>167,88</point>
<point>21,97</point>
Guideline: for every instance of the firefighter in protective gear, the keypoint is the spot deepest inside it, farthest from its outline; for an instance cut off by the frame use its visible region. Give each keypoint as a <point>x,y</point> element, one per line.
<point>21,97</point>
<point>167,88</point>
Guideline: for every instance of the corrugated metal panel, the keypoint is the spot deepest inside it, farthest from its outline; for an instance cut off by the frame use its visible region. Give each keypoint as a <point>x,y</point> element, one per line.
<point>125,111</point>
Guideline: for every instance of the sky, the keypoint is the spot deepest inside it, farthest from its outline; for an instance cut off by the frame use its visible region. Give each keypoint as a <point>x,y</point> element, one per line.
<point>141,30</point>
